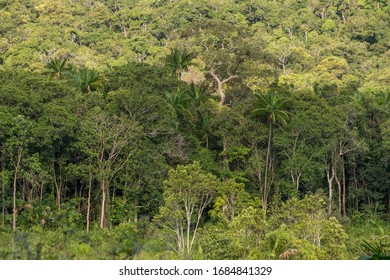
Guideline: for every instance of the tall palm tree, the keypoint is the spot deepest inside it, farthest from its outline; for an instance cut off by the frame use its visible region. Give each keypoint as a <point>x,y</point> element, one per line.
<point>179,61</point>
<point>272,107</point>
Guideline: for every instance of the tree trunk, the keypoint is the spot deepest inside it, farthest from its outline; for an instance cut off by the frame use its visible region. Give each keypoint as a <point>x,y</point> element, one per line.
<point>339,193</point>
<point>136,211</point>
<point>89,201</point>
<point>323,13</point>
<point>188,247</point>
<point>58,188</point>
<point>330,169</point>
<point>344,194</point>
<point>14,201</point>
<point>282,62</point>
<point>298,177</point>
<point>17,166</point>
<point>220,84</point>
<point>225,158</point>
<point>267,166</point>
<point>124,30</point>
<point>103,206</point>
<point>219,87</point>
<point>3,193</point>
<point>343,17</point>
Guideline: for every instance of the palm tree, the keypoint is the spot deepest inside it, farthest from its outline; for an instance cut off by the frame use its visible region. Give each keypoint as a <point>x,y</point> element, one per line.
<point>198,94</point>
<point>87,80</point>
<point>384,100</point>
<point>178,102</point>
<point>374,251</point>
<point>272,107</point>
<point>179,61</point>
<point>57,67</point>
<point>204,127</point>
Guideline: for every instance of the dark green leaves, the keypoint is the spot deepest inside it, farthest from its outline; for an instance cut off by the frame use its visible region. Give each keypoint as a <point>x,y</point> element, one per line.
<point>273,107</point>
<point>179,61</point>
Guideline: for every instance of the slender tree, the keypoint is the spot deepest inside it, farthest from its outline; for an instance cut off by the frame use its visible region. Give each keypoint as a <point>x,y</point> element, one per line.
<point>273,108</point>
<point>109,143</point>
<point>187,193</point>
<point>17,144</point>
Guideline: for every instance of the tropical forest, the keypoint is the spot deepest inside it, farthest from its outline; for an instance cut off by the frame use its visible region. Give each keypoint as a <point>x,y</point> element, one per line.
<point>194,129</point>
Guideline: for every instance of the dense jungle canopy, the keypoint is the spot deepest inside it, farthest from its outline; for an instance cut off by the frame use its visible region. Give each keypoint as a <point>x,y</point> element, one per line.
<point>194,129</point>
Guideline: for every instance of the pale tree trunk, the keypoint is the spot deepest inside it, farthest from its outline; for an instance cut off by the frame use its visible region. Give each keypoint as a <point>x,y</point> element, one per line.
<point>323,13</point>
<point>344,194</point>
<point>17,166</point>
<point>189,214</point>
<point>339,193</point>
<point>14,202</point>
<point>296,179</point>
<point>330,175</point>
<point>220,84</point>
<point>283,59</point>
<point>117,131</point>
<point>294,172</point>
<point>343,17</point>
<point>180,238</point>
<point>200,212</point>
<point>103,205</point>
<point>58,188</point>
<point>343,150</point>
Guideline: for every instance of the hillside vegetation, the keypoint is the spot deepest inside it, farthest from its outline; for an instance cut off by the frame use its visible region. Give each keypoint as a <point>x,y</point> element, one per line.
<point>180,129</point>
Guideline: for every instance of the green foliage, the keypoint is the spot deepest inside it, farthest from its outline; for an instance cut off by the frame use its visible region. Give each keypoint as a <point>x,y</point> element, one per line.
<point>57,67</point>
<point>272,107</point>
<point>310,231</point>
<point>221,242</point>
<point>100,99</point>
<point>87,80</point>
<point>377,251</point>
<point>187,193</point>
<point>179,61</point>
<point>231,199</point>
